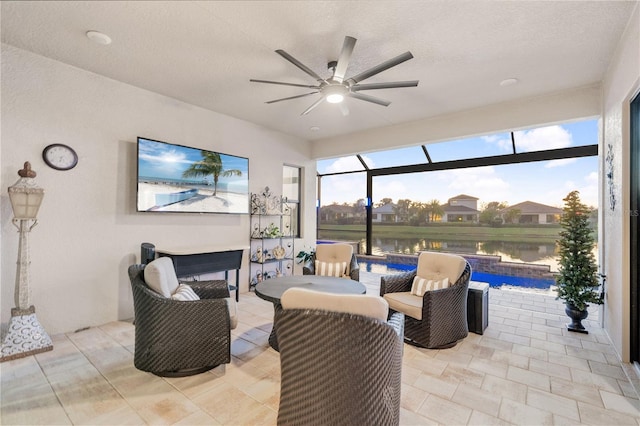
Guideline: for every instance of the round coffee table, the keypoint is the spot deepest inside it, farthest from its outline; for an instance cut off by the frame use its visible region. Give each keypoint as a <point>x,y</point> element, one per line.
<point>272,289</point>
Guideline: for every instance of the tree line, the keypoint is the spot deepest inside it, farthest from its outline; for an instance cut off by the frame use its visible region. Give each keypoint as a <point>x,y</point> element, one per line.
<point>417,212</point>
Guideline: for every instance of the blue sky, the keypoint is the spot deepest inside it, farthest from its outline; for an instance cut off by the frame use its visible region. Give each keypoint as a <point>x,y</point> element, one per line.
<point>545,182</point>
<point>163,160</point>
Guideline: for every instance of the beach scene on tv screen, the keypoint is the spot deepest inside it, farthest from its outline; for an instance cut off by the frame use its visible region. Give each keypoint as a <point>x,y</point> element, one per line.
<point>175,178</point>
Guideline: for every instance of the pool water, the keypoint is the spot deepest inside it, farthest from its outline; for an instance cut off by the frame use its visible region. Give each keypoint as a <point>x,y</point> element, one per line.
<point>492,279</point>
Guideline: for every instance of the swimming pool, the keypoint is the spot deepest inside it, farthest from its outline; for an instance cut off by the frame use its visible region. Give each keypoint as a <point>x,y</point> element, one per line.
<point>492,279</point>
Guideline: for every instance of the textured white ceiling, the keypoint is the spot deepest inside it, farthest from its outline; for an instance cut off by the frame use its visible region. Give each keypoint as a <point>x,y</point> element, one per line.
<point>205,52</point>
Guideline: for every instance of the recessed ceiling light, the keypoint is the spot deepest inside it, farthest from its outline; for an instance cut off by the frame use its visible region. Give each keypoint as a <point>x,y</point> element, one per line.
<point>314,128</point>
<point>508,82</point>
<point>98,37</point>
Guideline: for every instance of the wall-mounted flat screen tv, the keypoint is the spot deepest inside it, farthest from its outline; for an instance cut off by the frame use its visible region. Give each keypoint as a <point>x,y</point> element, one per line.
<point>176,178</point>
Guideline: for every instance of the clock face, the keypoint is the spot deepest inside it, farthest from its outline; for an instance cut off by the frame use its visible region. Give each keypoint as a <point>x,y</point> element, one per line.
<point>60,157</point>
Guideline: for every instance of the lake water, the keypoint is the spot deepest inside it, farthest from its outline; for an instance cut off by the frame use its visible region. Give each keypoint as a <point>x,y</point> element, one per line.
<point>539,254</point>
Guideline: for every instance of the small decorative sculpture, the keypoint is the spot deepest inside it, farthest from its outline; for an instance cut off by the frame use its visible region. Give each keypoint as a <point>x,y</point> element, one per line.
<point>256,231</point>
<point>278,252</point>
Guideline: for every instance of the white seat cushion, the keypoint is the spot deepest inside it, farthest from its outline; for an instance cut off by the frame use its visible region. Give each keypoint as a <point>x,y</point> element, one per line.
<point>359,304</point>
<point>406,303</point>
<point>433,265</point>
<point>333,260</point>
<point>160,276</point>
<point>334,252</point>
<point>233,311</point>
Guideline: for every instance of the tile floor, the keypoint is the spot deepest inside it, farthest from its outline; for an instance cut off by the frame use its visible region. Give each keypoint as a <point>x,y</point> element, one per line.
<point>526,369</point>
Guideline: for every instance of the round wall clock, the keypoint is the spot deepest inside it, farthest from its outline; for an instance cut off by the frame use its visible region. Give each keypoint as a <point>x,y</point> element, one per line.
<point>60,157</point>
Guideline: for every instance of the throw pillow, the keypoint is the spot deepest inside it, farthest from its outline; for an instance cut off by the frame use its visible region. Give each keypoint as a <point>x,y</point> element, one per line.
<point>331,269</point>
<point>160,276</point>
<point>422,285</point>
<point>185,293</point>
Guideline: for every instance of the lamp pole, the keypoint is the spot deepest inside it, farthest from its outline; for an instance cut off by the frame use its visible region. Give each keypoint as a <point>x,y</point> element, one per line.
<point>25,335</point>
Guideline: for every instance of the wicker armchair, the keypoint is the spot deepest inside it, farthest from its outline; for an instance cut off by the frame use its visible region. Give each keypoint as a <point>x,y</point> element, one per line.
<point>439,318</point>
<point>338,252</point>
<point>339,368</point>
<point>180,338</point>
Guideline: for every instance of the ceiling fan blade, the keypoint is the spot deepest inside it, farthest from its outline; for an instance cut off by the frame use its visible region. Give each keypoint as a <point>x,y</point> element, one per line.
<point>368,98</point>
<point>253,80</point>
<point>290,97</point>
<point>299,64</point>
<point>379,68</point>
<point>391,85</point>
<point>343,60</point>
<point>315,104</point>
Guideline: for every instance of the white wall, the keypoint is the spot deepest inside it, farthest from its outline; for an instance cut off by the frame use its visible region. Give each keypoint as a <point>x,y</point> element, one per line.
<point>89,231</point>
<point>622,81</point>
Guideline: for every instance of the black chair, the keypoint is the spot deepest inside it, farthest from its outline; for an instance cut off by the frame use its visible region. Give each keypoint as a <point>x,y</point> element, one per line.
<point>180,338</point>
<point>438,319</point>
<point>339,368</point>
<point>337,252</point>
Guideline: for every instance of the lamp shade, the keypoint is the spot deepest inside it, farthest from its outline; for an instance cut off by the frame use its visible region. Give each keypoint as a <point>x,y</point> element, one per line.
<point>25,195</point>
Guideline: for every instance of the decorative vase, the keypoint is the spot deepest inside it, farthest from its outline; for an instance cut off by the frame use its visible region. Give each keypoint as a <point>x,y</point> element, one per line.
<point>576,317</point>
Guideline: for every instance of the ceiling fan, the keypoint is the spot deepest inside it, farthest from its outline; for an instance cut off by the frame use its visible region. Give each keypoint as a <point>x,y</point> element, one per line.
<point>335,88</point>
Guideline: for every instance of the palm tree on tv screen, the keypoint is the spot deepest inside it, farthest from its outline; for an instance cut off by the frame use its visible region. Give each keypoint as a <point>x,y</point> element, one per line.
<point>211,164</point>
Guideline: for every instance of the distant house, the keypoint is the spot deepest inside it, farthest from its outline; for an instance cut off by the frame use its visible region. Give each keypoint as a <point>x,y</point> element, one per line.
<point>531,212</point>
<point>384,214</point>
<point>461,208</point>
<point>337,212</point>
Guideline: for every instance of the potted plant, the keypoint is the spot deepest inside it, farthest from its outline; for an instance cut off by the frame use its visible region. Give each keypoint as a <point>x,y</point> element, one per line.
<point>306,255</point>
<point>577,278</point>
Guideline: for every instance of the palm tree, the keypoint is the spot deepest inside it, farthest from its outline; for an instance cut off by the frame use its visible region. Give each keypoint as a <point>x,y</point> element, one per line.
<point>211,164</point>
<point>435,210</point>
<point>402,210</point>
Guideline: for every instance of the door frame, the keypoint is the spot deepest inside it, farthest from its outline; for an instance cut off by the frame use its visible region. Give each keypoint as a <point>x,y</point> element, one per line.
<point>634,227</point>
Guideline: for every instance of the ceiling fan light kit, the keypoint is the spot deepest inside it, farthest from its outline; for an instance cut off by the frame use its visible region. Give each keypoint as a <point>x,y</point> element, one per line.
<point>335,93</point>
<point>335,88</point>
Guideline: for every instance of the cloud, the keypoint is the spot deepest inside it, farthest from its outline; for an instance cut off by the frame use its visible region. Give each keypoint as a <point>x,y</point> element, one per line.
<point>542,138</point>
<point>592,178</point>
<point>343,188</point>
<point>559,163</point>
<point>350,163</point>
<point>477,180</point>
<point>504,144</point>
<point>395,189</point>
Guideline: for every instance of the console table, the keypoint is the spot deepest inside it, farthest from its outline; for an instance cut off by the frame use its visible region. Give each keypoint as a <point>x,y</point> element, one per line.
<point>191,261</point>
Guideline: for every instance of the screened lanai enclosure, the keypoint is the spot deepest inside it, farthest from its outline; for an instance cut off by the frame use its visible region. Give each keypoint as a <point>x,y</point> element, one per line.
<point>491,195</point>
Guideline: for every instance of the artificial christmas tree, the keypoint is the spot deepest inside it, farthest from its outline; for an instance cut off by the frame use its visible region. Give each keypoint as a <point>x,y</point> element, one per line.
<point>577,279</point>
